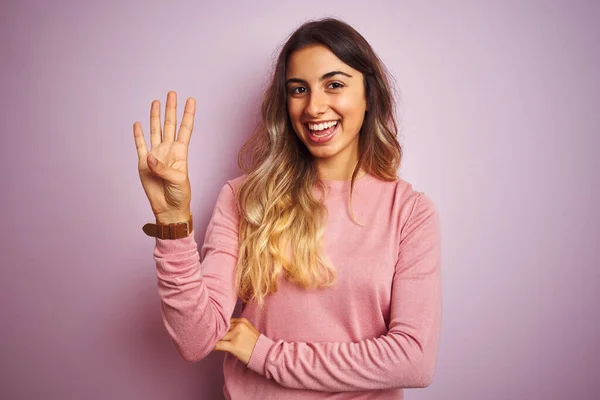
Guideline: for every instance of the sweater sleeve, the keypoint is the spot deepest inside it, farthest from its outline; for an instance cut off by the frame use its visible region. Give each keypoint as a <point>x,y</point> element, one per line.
<point>402,358</point>
<point>198,299</point>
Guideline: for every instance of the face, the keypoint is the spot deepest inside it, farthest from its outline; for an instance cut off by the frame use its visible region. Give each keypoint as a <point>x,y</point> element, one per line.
<point>326,104</point>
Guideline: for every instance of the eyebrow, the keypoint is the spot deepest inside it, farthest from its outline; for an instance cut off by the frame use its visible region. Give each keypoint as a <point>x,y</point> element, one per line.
<point>325,76</point>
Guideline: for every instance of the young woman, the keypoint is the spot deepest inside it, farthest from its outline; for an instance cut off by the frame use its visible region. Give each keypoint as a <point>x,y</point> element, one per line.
<point>335,258</point>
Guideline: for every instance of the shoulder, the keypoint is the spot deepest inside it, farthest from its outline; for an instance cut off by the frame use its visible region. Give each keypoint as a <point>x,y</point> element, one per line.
<point>417,200</point>
<point>403,192</point>
<point>230,188</point>
<point>408,205</point>
<point>226,199</point>
<point>235,183</point>
<point>419,211</point>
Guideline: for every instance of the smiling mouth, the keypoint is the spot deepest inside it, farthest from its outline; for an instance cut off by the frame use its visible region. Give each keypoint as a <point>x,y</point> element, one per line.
<point>321,129</point>
<point>322,132</point>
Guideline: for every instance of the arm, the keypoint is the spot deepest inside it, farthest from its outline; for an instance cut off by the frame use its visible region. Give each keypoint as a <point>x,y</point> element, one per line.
<point>197,300</point>
<point>404,357</point>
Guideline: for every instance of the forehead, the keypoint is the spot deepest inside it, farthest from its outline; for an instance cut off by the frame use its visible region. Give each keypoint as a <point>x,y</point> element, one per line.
<point>312,62</point>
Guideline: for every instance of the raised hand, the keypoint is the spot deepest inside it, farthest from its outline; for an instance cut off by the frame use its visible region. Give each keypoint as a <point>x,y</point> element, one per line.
<point>163,170</point>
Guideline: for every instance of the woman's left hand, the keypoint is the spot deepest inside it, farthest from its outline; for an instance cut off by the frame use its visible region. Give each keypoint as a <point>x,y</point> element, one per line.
<point>239,341</point>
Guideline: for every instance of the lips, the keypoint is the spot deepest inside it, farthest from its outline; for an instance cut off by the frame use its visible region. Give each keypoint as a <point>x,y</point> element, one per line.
<point>322,136</point>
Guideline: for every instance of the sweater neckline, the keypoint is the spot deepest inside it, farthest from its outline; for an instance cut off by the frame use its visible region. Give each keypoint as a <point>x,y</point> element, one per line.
<point>342,184</point>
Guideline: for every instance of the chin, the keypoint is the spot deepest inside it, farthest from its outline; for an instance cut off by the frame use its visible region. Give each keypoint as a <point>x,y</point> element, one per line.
<point>322,154</point>
<point>323,151</point>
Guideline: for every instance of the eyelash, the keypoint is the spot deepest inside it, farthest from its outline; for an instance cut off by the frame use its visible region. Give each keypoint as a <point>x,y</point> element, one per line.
<point>340,85</point>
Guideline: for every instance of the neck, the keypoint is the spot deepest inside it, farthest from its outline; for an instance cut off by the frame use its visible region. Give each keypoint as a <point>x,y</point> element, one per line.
<point>337,171</point>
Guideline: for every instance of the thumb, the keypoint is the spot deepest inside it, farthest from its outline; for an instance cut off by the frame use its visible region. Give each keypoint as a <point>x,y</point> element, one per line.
<point>169,174</point>
<point>155,165</point>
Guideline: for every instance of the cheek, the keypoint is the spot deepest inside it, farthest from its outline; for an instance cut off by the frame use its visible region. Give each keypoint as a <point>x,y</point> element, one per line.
<point>294,114</point>
<point>294,111</point>
<point>351,106</point>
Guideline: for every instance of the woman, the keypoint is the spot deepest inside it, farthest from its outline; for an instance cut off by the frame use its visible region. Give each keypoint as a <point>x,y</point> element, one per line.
<point>336,259</point>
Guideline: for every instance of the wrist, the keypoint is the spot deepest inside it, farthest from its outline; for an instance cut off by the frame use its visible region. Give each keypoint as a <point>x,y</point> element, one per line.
<point>170,227</point>
<point>173,217</point>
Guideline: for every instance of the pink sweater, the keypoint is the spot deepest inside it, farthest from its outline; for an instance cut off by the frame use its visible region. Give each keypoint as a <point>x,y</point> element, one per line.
<point>372,334</point>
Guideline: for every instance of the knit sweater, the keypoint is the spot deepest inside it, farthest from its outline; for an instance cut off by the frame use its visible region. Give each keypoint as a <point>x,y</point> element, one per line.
<point>373,333</point>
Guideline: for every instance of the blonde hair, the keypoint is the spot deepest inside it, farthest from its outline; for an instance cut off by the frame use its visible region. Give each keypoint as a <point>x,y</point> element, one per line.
<point>281,221</point>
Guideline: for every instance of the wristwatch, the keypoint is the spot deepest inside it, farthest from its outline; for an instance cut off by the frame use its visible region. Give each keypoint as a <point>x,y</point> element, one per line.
<point>171,231</point>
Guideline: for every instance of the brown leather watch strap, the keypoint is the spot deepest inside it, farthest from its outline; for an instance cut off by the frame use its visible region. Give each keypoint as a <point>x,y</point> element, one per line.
<point>171,231</point>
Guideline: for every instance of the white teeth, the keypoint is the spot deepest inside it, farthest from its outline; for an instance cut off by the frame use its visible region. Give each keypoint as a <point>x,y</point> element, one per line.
<point>321,126</point>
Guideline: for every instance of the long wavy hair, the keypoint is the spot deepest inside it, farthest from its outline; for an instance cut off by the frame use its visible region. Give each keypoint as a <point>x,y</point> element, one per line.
<point>281,220</point>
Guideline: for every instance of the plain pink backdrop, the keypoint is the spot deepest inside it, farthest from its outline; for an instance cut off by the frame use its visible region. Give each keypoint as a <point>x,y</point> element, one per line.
<point>500,126</point>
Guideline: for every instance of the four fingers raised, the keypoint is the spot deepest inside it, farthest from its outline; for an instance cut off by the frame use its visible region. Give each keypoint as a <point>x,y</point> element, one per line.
<point>156,133</point>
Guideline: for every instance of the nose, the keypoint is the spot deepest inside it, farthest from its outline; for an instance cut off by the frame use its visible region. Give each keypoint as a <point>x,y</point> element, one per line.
<point>317,104</point>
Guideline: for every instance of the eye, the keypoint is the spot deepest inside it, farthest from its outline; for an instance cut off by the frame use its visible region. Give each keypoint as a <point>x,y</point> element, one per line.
<point>297,90</point>
<point>335,85</point>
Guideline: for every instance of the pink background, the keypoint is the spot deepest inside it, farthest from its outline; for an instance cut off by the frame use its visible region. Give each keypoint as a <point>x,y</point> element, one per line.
<point>500,126</point>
